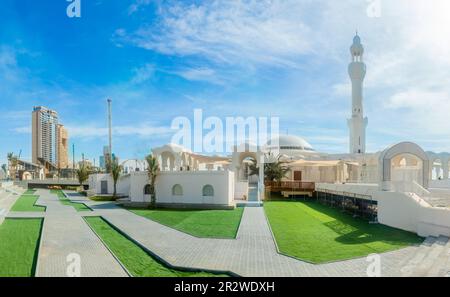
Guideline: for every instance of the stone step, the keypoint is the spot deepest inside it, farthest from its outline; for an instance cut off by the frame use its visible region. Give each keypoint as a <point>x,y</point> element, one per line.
<point>417,257</point>
<point>424,267</point>
<point>415,249</point>
<point>441,266</point>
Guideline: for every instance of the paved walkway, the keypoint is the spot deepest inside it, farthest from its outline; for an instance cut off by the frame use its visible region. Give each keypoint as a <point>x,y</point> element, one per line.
<point>7,200</point>
<point>252,253</point>
<point>65,232</point>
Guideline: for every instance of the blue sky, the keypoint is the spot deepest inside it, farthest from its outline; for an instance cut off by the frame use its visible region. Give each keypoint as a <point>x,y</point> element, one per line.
<point>161,59</point>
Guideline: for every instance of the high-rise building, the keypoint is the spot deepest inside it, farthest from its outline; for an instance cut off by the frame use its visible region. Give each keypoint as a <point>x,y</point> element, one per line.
<point>49,138</point>
<point>63,142</point>
<point>44,135</point>
<point>357,123</point>
<point>102,163</point>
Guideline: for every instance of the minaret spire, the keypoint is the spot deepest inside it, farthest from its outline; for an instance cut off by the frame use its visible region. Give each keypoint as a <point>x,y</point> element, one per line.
<point>357,123</point>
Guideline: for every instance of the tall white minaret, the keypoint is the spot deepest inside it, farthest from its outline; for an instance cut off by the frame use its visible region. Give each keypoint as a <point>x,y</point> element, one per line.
<point>358,123</point>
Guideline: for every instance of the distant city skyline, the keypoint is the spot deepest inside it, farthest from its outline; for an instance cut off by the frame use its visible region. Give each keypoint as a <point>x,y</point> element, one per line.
<point>161,59</point>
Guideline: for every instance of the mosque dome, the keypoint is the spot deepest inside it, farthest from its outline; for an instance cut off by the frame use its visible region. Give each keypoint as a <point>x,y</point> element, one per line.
<point>290,143</point>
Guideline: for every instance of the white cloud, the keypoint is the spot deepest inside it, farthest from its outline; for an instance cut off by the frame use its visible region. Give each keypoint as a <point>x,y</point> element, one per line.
<point>143,74</point>
<point>200,74</point>
<point>407,55</point>
<point>230,32</point>
<point>91,131</point>
<point>133,8</point>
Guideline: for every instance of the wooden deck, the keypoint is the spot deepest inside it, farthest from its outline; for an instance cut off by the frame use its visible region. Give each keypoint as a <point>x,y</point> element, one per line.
<point>290,186</point>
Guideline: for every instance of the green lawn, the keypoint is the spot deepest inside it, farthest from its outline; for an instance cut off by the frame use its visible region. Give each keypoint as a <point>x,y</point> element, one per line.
<point>317,233</point>
<point>19,242</point>
<point>137,261</point>
<point>200,223</point>
<point>64,200</point>
<point>27,203</point>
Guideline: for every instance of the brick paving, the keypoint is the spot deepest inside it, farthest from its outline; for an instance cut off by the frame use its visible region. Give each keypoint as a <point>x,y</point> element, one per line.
<point>7,200</point>
<point>66,233</point>
<point>252,253</point>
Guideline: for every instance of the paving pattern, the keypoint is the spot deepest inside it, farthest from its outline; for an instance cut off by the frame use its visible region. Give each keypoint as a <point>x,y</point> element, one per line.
<point>65,239</point>
<point>7,200</point>
<point>252,253</point>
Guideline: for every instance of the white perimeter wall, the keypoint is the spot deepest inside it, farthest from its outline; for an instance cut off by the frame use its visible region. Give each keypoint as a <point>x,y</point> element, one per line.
<point>409,212</point>
<point>137,183</point>
<point>406,211</point>
<point>133,184</point>
<point>123,184</point>
<point>192,183</point>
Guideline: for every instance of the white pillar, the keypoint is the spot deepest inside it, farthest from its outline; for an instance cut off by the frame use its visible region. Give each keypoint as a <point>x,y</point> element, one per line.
<point>261,186</point>
<point>445,168</point>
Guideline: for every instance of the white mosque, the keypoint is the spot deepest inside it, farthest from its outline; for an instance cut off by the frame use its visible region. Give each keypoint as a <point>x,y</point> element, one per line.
<point>407,187</point>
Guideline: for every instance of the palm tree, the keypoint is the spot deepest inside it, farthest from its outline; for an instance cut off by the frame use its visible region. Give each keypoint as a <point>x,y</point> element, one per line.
<point>253,167</point>
<point>116,170</point>
<point>274,170</point>
<point>153,171</point>
<point>82,174</point>
<point>5,169</point>
<point>13,161</point>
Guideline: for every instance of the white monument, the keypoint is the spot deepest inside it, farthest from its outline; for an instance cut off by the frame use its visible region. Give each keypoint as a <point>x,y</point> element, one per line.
<point>358,123</point>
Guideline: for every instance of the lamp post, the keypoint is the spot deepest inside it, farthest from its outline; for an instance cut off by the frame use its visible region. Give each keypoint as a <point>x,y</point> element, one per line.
<point>73,160</point>
<point>110,131</point>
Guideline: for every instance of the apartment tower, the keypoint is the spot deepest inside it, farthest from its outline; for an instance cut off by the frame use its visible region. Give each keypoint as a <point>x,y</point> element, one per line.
<point>49,138</point>
<point>63,142</point>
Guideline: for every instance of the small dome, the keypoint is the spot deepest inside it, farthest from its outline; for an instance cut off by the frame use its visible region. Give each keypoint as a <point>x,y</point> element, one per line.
<point>356,39</point>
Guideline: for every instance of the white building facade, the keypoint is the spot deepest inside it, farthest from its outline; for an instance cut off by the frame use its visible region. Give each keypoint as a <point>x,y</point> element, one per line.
<point>411,187</point>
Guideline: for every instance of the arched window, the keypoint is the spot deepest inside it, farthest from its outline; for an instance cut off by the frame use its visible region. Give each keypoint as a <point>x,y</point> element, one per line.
<point>147,190</point>
<point>208,191</point>
<point>177,190</point>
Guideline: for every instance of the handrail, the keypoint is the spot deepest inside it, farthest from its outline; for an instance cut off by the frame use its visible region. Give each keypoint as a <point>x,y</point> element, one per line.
<point>290,185</point>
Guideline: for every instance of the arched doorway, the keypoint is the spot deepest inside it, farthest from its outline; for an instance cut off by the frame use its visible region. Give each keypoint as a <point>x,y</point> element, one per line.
<point>406,167</point>
<point>404,157</point>
<point>242,154</point>
<point>168,161</point>
<point>245,172</point>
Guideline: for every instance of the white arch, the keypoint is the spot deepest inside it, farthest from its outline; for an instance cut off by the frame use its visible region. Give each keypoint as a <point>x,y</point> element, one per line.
<point>402,148</point>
